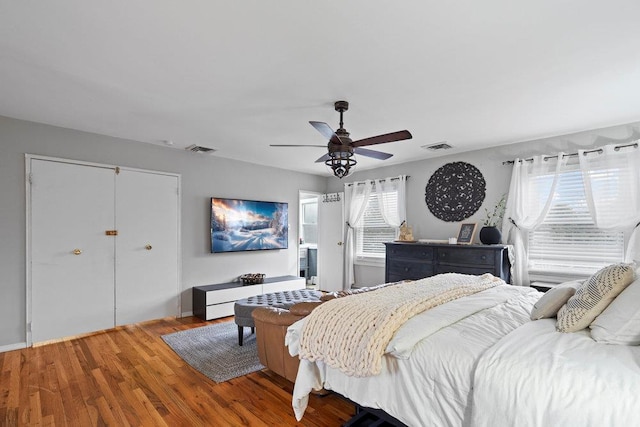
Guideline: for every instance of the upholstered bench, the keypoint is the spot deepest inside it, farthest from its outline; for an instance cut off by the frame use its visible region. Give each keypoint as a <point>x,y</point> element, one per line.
<point>271,328</point>
<point>243,308</point>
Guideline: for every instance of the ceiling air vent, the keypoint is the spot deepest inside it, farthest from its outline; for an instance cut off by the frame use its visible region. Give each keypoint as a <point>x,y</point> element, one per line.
<point>200,149</point>
<point>438,146</point>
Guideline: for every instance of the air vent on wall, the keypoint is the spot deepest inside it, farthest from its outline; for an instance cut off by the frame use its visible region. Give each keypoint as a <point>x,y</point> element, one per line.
<point>438,146</point>
<point>200,149</point>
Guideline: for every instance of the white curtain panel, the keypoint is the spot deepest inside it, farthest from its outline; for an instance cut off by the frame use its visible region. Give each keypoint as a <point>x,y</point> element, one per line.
<point>356,197</point>
<point>614,204</point>
<point>392,213</point>
<point>527,206</point>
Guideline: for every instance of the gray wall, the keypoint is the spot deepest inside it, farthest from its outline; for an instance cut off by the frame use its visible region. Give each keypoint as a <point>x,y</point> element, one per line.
<point>497,176</point>
<point>203,176</point>
<point>206,176</point>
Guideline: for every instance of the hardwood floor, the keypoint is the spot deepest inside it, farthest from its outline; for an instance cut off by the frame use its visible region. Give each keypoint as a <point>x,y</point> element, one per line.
<point>129,376</point>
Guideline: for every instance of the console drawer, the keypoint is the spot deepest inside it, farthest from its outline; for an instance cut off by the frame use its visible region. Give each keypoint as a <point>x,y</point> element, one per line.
<point>220,310</point>
<point>233,294</point>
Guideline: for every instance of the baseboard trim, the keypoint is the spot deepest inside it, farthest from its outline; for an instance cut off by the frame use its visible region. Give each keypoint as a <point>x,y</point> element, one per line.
<point>186,314</point>
<point>11,347</point>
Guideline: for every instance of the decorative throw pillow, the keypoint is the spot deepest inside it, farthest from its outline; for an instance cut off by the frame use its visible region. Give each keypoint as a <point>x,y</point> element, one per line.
<point>549,304</point>
<point>593,296</point>
<point>620,322</point>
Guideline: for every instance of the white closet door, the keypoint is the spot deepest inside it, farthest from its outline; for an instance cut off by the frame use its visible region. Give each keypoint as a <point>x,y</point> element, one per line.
<point>71,208</point>
<point>147,246</point>
<point>330,244</point>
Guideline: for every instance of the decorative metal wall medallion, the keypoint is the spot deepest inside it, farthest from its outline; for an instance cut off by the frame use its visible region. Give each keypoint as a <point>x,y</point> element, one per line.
<point>455,191</point>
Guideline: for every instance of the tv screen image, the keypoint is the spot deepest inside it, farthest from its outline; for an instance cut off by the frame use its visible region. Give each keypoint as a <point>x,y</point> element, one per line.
<point>248,225</point>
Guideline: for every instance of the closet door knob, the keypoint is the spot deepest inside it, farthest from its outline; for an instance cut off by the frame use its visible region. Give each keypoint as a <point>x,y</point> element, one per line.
<point>77,251</point>
<point>148,247</point>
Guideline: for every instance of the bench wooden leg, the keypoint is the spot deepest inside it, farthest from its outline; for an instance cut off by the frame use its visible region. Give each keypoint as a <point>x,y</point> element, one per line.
<point>240,335</point>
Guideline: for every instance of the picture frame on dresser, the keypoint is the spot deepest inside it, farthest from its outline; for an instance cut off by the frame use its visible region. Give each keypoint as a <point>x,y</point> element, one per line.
<point>466,233</point>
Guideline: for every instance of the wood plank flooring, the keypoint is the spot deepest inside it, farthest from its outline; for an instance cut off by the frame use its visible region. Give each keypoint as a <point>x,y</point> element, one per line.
<point>129,376</point>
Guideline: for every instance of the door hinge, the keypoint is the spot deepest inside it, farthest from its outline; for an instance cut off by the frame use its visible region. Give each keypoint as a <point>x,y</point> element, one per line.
<point>30,177</point>
<point>111,232</point>
<point>29,329</point>
<point>117,170</point>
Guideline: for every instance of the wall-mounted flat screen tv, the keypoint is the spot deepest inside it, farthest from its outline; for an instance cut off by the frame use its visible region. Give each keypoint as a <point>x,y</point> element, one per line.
<point>248,225</point>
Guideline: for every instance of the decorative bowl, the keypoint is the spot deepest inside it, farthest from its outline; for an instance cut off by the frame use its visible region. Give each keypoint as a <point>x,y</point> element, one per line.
<point>252,278</point>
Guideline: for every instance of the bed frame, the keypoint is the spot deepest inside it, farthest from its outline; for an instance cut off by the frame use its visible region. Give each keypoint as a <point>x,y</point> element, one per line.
<point>370,417</point>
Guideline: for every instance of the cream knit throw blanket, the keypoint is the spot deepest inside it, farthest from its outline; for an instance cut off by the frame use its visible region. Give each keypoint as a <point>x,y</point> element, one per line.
<point>351,333</point>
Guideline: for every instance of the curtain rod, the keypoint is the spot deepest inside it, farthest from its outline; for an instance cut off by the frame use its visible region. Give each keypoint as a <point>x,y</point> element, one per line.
<point>374,180</point>
<point>597,150</point>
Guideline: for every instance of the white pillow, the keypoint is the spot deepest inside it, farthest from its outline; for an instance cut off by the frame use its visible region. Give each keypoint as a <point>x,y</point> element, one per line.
<point>549,303</point>
<point>593,296</point>
<point>620,322</point>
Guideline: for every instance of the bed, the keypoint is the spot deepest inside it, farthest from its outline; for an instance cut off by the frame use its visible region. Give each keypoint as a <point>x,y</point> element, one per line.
<point>571,380</point>
<point>480,361</point>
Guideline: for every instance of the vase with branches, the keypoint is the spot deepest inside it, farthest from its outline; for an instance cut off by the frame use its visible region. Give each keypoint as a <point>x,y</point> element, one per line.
<point>494,217</point>
<point>490,234</point>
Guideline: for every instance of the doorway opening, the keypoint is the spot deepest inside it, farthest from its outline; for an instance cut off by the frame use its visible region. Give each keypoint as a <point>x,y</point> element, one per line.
<point>308,237</point>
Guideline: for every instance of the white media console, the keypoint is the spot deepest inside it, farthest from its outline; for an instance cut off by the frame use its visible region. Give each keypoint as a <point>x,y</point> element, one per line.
<point>215,301</point>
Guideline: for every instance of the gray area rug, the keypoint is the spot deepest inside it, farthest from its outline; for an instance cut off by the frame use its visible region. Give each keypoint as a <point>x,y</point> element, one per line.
<point>214,351</point>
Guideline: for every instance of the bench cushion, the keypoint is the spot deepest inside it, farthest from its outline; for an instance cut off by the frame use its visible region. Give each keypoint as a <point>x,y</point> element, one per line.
<point>243,308</point>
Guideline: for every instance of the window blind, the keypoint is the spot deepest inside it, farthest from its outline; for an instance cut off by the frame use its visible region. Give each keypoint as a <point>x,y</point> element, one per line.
<point>370,238</point>
<point>568,241</point>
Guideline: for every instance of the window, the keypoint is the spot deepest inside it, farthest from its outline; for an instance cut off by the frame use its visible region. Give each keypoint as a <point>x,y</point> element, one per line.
<point>568,242</point>
<point>309,220</point>
<point>374,232</point>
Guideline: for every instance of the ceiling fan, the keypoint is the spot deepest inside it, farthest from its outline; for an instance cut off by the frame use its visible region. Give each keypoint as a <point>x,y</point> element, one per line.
<point>341,148</point>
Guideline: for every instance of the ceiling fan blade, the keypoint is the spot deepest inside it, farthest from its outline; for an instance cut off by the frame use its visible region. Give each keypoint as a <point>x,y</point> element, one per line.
<point>323,158</point>
<point>294,145</point>
<point>326,130</point>
<point>372,153</point>
<point>381,139</point>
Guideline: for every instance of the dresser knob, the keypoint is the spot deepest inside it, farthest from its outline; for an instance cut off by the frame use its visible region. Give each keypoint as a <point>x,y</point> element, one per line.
<point>406,269</point>
<point>484,257</point>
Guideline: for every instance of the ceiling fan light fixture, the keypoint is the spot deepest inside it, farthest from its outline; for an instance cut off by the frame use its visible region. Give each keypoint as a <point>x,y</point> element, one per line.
<point>340,162</point>
<point>341,147</point>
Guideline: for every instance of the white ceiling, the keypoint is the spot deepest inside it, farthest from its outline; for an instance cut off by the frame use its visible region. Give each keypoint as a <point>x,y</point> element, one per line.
<point>240,75</point>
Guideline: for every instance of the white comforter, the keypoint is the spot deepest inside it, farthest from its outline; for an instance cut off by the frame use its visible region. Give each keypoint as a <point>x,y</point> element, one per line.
<point>536,376</point>
<point>427,373</point>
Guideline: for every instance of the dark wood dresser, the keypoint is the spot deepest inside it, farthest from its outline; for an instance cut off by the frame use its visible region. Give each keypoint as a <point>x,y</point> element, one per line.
<point>419,260</point>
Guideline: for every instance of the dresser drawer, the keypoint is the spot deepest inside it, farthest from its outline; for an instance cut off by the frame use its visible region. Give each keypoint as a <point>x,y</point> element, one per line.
<point>418,252</point>
<point>405,269</point>
<point>444,268</point>
<point>467,256</point>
